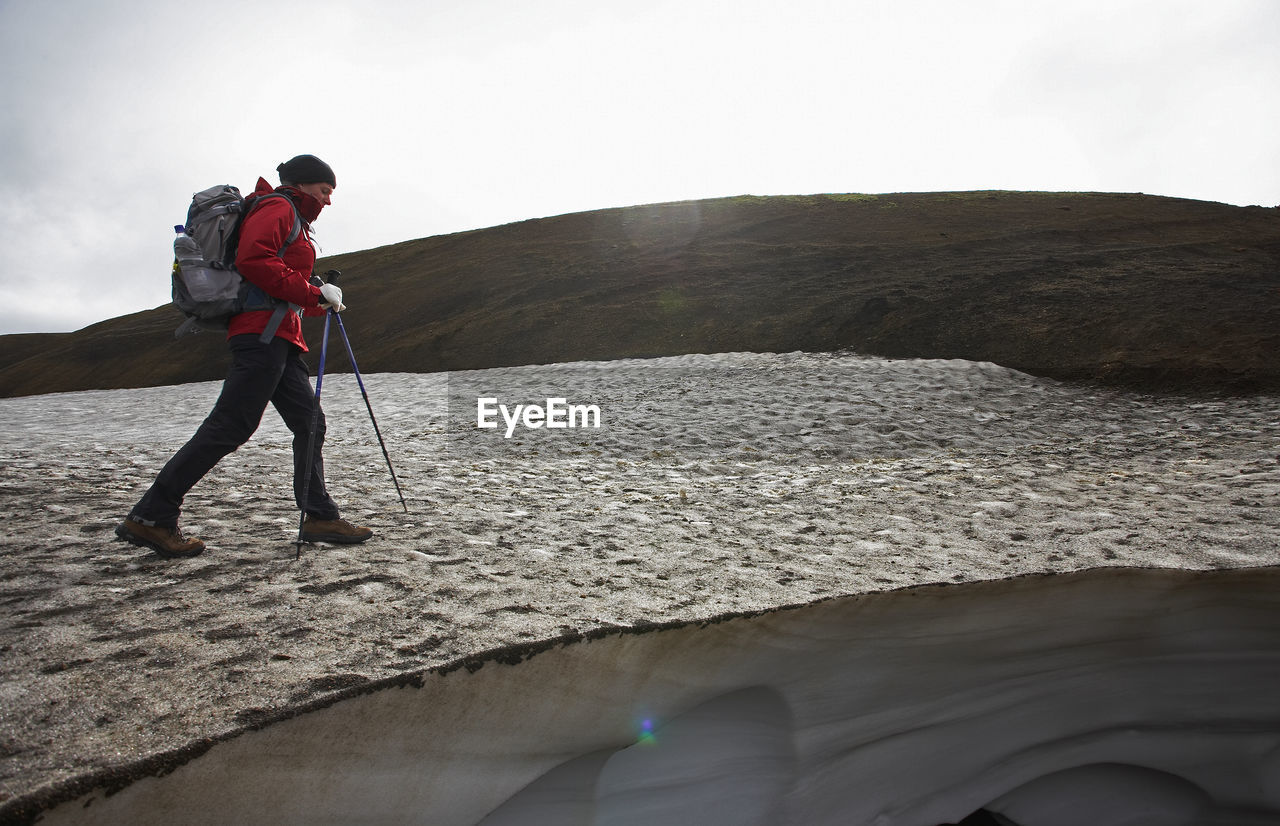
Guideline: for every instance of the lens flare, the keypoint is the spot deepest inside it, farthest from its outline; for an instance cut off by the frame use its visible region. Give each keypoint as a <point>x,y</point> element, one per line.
<point>646,731</point>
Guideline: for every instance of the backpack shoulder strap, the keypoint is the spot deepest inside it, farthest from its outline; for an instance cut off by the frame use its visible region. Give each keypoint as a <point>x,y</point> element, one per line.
<point>277,316</point>
<point>295,230</point>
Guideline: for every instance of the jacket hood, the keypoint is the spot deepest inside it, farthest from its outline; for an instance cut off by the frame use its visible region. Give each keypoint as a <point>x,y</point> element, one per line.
<point>308,207</point>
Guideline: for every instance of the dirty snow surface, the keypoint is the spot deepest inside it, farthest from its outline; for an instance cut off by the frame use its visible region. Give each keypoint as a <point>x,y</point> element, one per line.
<point>714,485</point>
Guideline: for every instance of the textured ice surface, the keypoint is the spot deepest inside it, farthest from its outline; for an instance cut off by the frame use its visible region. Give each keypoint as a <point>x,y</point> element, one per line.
<point>720,484</point>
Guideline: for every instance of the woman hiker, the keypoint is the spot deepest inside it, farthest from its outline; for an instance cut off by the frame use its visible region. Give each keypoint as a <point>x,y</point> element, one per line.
<point>261,372</point>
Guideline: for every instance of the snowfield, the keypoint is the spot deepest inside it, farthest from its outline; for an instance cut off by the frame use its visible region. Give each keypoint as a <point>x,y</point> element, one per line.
<point>793,588</point>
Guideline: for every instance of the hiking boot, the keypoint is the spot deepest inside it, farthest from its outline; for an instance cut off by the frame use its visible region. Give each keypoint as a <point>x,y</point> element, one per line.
<point>168,542</point>
<point>333,530</point>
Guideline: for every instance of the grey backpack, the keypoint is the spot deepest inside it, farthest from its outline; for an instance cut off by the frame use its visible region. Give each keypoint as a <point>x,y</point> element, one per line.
<point>206,287</point>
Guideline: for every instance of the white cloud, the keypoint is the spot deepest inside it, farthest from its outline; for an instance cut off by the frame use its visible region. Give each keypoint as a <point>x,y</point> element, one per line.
<point>446,116</point>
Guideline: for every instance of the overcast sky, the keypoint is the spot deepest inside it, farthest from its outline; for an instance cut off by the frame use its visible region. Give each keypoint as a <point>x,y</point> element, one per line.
<point>446,116</point>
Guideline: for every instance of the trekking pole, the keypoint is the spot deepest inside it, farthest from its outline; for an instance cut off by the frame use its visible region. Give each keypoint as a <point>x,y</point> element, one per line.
<point>333,277</point>
<point>311,440</point>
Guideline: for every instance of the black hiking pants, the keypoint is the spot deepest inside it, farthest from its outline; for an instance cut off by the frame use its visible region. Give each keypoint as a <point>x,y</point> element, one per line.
<point>260,373</point>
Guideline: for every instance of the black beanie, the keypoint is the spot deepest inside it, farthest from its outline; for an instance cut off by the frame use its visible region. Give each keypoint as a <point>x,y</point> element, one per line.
<point>306,169</point>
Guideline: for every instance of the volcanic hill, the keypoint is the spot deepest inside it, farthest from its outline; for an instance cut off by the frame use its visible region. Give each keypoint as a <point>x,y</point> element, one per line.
<point>1145,291</point>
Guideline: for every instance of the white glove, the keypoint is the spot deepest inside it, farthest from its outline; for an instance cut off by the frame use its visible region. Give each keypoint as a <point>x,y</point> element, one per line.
<point>332,294</point>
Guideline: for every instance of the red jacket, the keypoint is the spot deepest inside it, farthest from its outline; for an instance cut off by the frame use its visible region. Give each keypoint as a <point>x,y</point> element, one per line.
<point>287,276</point>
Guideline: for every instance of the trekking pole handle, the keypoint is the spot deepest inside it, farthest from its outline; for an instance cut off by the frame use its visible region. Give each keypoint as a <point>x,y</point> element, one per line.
<point>330,277</point>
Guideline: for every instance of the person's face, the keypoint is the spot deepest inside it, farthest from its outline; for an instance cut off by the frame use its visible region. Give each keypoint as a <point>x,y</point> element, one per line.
<point>322,192</point>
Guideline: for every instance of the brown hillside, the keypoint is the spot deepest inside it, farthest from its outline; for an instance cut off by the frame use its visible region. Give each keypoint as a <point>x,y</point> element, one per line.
<point>1141,290</point>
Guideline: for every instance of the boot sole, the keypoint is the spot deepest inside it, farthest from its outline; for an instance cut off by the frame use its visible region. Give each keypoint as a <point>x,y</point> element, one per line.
<point>335,538</point>
<point>133,539</point>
